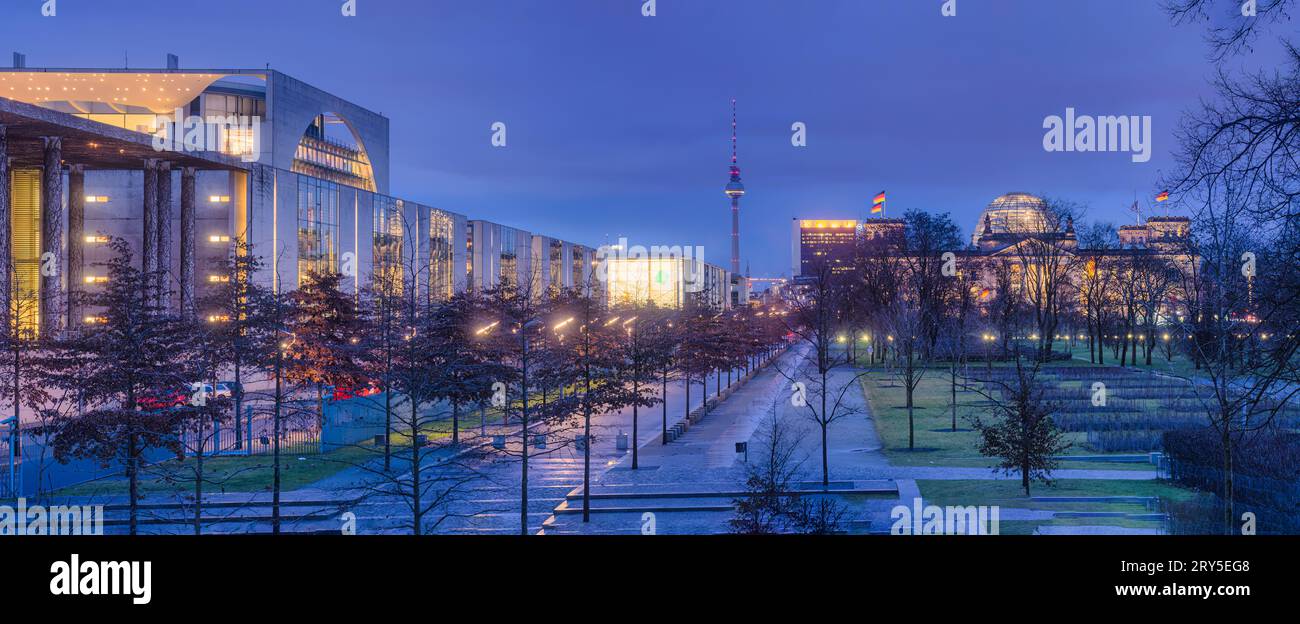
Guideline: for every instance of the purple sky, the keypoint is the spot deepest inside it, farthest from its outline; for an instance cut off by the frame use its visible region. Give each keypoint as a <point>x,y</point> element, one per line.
<point>619,124</point>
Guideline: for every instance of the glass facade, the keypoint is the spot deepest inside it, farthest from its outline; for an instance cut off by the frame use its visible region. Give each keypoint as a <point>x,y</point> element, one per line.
<point>635,281</point>
<point>318,226</point>
<point>1013,213</point>
<point>578,265</point>
<point>555,267</point>
<point>442,231</point>
<point>509,274</point>
<point>25,204</point>
<point>320,156</point>
<point>389,228</point>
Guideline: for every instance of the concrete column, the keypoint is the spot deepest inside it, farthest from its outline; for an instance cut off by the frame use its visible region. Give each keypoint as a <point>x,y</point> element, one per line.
<point>6,235</point>
<point>148,246</point>
<point>76,240</point>
<point>187,242</point>
<point>165,287</point>
<point>52,303</point>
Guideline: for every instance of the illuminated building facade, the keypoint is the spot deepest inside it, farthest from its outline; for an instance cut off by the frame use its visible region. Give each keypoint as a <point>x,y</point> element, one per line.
<point>184,164</point>
<point>823,241</point>
<point>667,282</point>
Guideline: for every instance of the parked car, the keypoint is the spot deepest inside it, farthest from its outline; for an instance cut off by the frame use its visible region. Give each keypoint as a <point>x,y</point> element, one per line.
<point>224,390</point>
<point>151,403</point>
<point>343,394</point>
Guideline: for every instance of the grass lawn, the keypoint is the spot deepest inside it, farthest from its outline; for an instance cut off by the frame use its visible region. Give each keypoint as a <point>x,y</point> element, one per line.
<point>231,474</point>
<point>254,473</point>
<point>1007,494</point>
<point>935,442</point>
<point>1029,527</point>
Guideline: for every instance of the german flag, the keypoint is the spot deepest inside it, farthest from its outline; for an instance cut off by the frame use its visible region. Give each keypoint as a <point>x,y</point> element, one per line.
<point>878,203</point>
<point>1163,196</point>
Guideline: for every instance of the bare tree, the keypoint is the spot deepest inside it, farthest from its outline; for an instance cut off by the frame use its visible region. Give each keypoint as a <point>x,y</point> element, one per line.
<point>1234,31</point>
<point>1238,175</point>
<point>1045,261</point>
<point>815,321</point>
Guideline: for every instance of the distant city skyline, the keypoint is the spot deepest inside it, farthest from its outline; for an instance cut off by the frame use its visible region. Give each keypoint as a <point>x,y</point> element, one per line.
<point>619,123</point>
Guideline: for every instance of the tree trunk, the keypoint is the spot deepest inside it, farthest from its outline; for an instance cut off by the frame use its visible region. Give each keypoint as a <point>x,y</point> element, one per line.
<point>238,392</point>
<point>954,399</point>
<point>635,392</point>
<point>586,444</point>
<point>688,398</point>
<point>388,430</point>
<point>911,434</point>
<point>1024,455</point>
<point>825,423</point>
<point>133,475</point>
<point>455,423</point>
<point>198,481</point>
<point>664,438</point>
<point>523,436</point>
<point>417,525</point>
<point>275,447</point>
<point>1228,519</point>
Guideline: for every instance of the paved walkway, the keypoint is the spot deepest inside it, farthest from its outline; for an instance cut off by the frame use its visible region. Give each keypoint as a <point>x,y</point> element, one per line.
<point>704,459</point>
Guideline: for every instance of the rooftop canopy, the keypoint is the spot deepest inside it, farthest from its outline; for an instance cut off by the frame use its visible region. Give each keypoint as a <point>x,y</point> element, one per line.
<point>89,143</point>
<point>100,91</point>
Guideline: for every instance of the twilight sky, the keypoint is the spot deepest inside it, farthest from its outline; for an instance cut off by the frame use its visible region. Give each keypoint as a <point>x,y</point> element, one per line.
<point>619,124</point>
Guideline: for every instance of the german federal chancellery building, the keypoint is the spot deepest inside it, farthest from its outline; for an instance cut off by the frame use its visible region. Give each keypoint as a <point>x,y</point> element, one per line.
<point>297,173</point>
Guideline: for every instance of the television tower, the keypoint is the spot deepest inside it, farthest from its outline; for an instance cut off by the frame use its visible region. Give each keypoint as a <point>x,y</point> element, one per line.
<point>735,190</point>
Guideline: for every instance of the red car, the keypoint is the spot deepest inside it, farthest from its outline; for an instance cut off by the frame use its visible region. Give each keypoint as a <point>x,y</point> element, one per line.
<point>167,401</point>
<point>343,394</point>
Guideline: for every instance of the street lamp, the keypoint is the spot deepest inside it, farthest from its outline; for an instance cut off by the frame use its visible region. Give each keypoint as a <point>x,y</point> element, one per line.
<point>482,406</point>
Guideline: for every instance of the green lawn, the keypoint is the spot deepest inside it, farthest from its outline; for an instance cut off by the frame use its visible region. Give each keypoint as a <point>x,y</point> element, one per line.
<point>231,474</point>
<point>1028,527</point>
<point>1007,494</point>
<point>254,473</point>
<point>935,442</point>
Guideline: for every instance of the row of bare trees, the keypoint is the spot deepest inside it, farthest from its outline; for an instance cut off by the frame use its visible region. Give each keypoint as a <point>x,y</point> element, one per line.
<point>127,388</point>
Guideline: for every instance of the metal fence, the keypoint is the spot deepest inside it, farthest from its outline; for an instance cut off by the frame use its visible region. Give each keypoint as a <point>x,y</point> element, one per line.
<point>253,433</point>
<point>10,467</point>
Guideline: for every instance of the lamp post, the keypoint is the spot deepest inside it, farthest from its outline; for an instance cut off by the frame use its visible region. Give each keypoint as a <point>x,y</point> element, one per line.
<point>522,330</point>
<point>630,326</point>
<point>558,328</point>
<point>482,405</point>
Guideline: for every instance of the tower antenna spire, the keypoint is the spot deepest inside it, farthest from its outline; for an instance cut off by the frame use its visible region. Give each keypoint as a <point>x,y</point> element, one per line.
<point>735,189</point>
<point>733,131</point>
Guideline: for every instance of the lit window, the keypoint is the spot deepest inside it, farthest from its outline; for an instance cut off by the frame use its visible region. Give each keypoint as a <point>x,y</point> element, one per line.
<point>218,238</point>
<point>96,239</point>
<point>96,199</point>
<point>218,279</point>
<point>218,318</point>
<point>95,320</point>
<point>218,199</point>
<point>96,279</point>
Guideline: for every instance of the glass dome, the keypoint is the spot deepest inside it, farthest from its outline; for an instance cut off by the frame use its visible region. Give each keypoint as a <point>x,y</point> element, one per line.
<point>1013,213</point>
